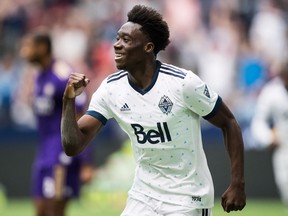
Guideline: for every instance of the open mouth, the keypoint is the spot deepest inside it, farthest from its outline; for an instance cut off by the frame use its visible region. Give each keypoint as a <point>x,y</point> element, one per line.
<point>118,56</point>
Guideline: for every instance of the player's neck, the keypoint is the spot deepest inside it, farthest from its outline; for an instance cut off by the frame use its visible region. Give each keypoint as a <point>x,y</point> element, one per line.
<point>142,74</point>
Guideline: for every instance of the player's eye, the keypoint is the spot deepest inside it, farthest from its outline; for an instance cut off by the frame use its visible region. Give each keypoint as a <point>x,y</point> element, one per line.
<point>126,39</point>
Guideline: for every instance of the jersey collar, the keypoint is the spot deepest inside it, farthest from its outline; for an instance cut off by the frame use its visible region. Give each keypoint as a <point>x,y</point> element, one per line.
<point>154,79</point>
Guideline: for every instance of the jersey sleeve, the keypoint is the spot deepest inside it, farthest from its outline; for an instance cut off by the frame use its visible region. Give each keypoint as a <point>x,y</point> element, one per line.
<point>199,97</point>
<point>98,107</point>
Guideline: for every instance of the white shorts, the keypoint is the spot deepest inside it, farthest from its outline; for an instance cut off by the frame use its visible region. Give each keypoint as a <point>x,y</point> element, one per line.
<point>147,206</point>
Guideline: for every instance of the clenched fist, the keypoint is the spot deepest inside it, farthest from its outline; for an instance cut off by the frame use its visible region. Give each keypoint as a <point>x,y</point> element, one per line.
<point>76,84</point>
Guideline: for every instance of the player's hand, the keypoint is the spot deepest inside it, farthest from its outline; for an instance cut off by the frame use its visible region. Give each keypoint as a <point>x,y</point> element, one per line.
<point>76,84</point>
<point>234,198</point>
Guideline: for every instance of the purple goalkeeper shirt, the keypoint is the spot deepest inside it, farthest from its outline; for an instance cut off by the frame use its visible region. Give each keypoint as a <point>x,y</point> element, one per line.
<point>49,89</point>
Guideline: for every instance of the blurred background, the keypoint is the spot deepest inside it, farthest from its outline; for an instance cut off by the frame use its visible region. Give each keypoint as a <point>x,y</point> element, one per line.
<point>236,46</point>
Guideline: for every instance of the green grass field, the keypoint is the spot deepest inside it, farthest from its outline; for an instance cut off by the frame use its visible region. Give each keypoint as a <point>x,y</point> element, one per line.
<point>254,208</point>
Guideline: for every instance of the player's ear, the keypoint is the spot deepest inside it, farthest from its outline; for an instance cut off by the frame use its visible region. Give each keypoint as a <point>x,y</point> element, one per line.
<point>149,47</point>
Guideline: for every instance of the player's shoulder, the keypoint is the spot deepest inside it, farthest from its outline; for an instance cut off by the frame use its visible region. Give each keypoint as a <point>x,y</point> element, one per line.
<point>116,77</point>
<point>172,70</point>
<point>61,69</point>
<point>187,77</point>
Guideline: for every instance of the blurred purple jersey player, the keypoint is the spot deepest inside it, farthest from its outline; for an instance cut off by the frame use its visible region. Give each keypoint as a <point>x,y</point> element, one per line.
<point>49,86</point>
<point>56,177</point>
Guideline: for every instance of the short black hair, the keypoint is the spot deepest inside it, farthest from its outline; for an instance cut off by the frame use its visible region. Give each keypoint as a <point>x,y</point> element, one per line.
<point>43,37</point>
<point>152,25</point>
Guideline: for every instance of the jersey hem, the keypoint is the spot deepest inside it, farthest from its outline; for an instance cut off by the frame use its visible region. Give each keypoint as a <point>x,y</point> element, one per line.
<point>133,194</point>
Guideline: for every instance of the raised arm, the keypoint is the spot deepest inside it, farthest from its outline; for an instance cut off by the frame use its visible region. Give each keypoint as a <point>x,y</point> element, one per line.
<point>234,197</point>
<point>76,135</point>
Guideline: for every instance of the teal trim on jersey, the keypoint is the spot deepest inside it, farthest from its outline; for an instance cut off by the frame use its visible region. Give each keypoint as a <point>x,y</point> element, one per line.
<point>97,115</point>
<point>154,79</point>
<point>215,109</point>
<point>117,76</point>
<point>172,71</point>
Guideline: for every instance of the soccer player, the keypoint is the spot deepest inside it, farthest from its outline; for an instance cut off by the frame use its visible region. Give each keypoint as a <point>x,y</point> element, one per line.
<point>159,106</point>
<point>270,126</point>
<point>56,177</point>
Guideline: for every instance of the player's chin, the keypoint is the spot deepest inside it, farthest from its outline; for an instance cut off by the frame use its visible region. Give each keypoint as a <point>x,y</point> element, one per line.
<point>120,66</point>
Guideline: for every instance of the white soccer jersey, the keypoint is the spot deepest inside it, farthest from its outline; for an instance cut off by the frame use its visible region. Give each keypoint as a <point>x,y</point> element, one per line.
<point>272,107</point>
<point>163,123</point>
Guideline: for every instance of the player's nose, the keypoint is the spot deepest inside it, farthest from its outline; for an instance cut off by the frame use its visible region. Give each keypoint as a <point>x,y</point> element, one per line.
<point>117,45</point>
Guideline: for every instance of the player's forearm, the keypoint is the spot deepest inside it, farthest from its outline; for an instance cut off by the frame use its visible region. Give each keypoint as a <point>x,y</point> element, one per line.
<point>72,137</point>
<point>235,147</point>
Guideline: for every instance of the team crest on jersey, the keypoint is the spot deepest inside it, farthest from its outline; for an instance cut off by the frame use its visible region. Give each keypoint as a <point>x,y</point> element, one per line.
<point>165,104</point>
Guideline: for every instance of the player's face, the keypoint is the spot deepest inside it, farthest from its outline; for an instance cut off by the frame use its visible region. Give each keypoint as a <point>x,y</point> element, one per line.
<point>130,46</point>
<point>29,50</point>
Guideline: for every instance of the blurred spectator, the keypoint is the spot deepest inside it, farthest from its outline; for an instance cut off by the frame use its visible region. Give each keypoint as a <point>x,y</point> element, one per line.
<point>70,38</point>
<point>217,56</point>
<point>252,74</point>
<point>9,78</point>
<point>23,99</point>
<point>269,34</point>
<point>13,20</point>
